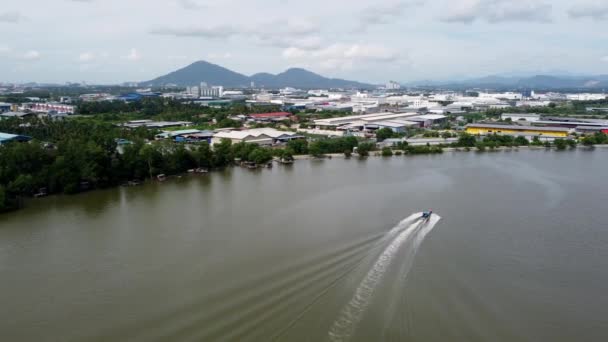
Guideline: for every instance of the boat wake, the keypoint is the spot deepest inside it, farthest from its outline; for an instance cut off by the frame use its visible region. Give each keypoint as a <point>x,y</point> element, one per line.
<point>410,232</point>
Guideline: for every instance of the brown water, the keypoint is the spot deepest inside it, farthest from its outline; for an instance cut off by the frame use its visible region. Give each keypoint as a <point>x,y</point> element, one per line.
<point>316,252</point>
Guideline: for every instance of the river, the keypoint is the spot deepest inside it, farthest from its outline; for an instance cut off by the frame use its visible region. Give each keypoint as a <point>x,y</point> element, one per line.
<point>321,251</point>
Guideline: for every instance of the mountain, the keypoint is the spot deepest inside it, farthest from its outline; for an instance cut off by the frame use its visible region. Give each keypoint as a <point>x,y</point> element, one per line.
<point>198,72</point>
<point>213,74</point>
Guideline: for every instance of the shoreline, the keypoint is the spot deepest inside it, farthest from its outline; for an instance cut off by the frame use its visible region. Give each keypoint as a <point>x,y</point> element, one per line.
<point>326,157</point>
<point>449,149</point>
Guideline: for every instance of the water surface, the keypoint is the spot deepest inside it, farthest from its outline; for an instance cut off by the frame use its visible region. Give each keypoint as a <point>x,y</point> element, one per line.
<point>520,254</point>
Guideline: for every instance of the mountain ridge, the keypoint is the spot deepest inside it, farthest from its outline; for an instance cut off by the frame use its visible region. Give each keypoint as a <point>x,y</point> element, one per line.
<point>213,74</point>
<point>540,81</point>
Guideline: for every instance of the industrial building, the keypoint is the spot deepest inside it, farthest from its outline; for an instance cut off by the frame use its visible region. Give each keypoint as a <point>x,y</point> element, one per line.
<point>187,135</point>
<point>270,117</point>
<point>50,107</point>
<point>156,124</point>
<point>259,136</point>
<point>398,122</point>
<point>521,117</point>
<point>527,131</point>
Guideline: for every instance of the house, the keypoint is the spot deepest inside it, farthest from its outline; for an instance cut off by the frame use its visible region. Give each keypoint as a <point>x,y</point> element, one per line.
<point>7,137</point>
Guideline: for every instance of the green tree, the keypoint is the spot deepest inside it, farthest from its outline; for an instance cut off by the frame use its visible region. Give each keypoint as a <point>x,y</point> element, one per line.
<point>260,156</point>
<point>151,155</point>
<point>560,144</point>
<point>3,200</point>
<point>384,133</point>
<point>387,152</point>
<point>467,140</point>
<point>589,141</point>
<point>315,149</point>
<point>521,141</point>
<point>365,148</point>
<point>299,146</point>
<point>203,155</point>
<point>481,146</point>
<point>286,155</point>
<point>223,153</point>
<point>536,141</point>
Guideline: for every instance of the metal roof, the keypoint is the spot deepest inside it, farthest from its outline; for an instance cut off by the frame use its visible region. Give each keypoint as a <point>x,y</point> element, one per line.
<point>520,128</point>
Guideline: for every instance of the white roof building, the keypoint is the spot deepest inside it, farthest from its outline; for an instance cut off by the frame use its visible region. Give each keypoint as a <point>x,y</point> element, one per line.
<point>260,136</point>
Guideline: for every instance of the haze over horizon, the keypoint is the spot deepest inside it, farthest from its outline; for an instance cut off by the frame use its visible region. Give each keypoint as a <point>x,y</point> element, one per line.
<point>114,41</point>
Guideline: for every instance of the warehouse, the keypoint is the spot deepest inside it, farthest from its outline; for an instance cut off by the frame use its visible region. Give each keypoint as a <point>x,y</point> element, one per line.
<point>528,131</point>
<point>259,136</point>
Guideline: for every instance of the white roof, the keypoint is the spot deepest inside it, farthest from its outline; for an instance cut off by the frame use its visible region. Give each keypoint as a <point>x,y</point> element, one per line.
<point>240,135</point>
<point>387,123</point>
<point>431,117</point>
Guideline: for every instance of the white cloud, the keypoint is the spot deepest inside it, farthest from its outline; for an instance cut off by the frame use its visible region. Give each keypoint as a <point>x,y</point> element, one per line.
<point>192,4</point>
<point>11,17</point>
<point>597,10</point>
<point>197,31</point>
<point>356,51</point>
<point>384,13</point>
<point>293,53</point>
<point>225,55</point>
<point>86,57</point>
<point>133,55</point>
<point>497,11</point>
<point>31,55</point>
<point>177,57</point>
<point>342,56</point>
<point>5,49</point>
<point>604,59</point>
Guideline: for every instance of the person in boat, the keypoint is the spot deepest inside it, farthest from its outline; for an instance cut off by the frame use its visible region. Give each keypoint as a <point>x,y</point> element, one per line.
<point>427,214</point>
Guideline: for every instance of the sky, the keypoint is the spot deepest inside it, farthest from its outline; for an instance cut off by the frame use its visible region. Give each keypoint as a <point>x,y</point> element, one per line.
<point>115,41</point>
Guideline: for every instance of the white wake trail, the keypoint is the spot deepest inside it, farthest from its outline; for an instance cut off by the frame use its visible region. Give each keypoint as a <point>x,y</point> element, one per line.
<point>410,229</point>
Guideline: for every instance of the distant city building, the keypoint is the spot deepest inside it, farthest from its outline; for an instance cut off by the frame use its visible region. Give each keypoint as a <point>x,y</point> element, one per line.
<point>392,85</point>
<point>51,107</point>
<point>206,91</point>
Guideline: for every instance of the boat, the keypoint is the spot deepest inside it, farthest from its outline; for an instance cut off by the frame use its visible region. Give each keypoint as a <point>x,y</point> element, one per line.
<point>42,192</point>
<point>162,177</point>
<point>427,215</point>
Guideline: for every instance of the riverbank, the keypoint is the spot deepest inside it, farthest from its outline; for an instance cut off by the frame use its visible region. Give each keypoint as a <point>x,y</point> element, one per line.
<point>452,149</point>
<point>374,154</point>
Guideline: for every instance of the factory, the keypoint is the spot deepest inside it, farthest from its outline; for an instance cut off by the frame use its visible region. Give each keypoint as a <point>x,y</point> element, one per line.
<point>398,122</point>
<point>258,136</point>
<point>513,130</point>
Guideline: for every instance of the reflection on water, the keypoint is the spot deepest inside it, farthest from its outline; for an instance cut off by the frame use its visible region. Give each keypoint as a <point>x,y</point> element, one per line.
<point>311,251</point>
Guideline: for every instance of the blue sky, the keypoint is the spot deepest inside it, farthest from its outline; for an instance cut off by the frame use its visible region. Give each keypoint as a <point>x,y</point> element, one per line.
<point>111,41</point>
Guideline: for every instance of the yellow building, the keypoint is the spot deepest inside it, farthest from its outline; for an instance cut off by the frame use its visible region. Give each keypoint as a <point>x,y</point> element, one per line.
<point>486,129</point>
